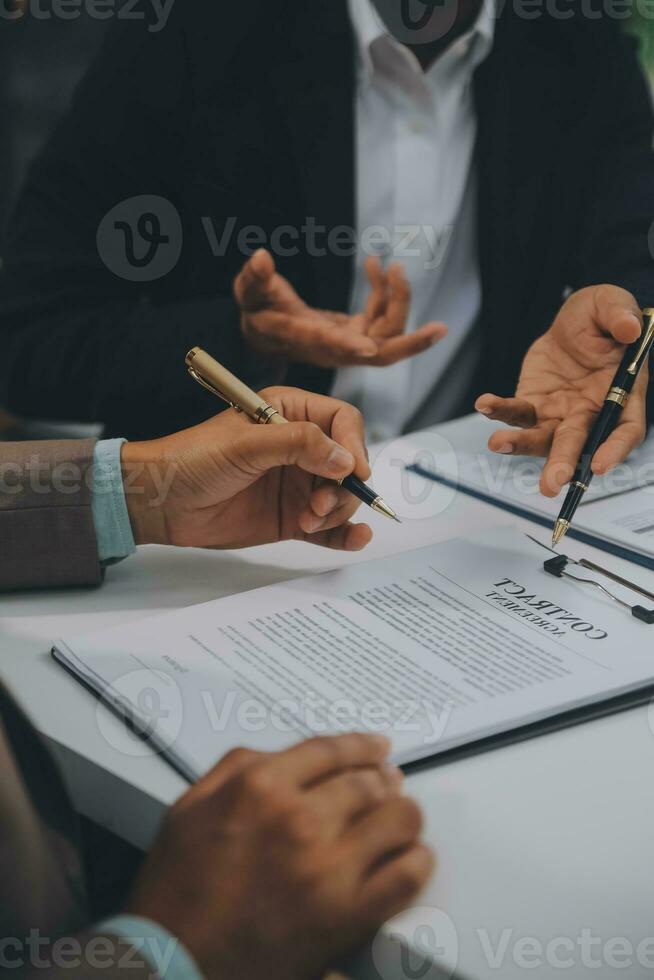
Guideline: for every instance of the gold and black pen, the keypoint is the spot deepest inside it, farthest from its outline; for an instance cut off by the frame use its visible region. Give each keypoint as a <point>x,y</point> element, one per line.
<point>634,358</point>
<point>219,381</point>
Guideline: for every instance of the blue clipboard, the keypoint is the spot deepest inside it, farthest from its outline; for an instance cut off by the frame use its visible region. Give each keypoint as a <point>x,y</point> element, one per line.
<point>512,508</point>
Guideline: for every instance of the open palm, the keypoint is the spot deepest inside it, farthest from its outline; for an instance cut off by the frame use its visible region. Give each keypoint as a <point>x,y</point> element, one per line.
<point>565,378</point>
<point>275,320</point>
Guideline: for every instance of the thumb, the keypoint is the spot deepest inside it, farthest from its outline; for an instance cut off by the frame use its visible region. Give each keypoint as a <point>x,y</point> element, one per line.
<point>301,444</point>
<point>252,283</point>
<point>618,315</point>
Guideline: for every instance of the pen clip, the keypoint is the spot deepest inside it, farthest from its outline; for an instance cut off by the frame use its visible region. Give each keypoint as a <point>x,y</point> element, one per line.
<point>207,384</point>
<point>648,337</point>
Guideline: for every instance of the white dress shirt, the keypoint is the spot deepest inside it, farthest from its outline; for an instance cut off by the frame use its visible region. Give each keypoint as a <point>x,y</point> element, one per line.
<point>415,137</point>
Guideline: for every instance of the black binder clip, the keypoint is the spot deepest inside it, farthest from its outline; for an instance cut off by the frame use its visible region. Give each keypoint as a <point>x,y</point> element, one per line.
<point>558,566</point>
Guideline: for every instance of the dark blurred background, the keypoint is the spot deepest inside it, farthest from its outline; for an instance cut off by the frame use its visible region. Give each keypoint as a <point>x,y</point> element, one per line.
<point>41,60</point>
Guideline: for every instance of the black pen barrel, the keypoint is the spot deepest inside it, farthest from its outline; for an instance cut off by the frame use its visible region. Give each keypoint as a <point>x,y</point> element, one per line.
<point>607,421</point>
<point>360,490</point>
<point>572,500</point>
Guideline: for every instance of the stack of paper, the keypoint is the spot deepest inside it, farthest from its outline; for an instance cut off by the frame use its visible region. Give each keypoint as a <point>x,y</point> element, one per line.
<point>438,648</point>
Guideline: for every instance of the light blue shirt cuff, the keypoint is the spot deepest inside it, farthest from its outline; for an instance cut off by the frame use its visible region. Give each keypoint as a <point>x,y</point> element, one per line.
<point>162,951</point>
<point>108,505</point>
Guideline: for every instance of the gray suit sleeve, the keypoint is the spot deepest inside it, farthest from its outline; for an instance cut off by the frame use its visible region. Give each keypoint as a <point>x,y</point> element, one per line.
<point>47,535</point>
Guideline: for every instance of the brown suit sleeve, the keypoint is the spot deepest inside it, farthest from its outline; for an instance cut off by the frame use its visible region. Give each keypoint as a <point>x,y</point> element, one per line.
<point>47,535</point>
<point>44,916</point>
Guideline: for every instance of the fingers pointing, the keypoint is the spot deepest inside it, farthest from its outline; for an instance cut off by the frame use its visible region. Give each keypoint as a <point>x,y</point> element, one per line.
<point>511,411</point>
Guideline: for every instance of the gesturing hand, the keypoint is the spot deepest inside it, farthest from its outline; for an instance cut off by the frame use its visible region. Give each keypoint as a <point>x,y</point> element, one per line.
<point>565,378</point>
<point>276,321</point>
<point>278,865</point>
<point>229,483</point>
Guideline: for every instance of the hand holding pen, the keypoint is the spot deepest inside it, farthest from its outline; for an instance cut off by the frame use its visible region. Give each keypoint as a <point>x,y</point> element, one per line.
<point>228,483</point>
<point>634,360</point>
<point>564,381</point>
<point>217,379</point>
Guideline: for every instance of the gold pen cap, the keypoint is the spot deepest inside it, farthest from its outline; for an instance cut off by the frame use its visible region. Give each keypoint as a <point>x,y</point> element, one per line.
<point>211,374</point>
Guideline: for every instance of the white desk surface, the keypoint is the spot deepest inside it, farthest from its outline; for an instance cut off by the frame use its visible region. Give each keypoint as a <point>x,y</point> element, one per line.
<point>549,839</point>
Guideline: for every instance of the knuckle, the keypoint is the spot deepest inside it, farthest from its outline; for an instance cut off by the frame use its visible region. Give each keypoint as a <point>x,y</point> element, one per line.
<point>296,434</point>
<point>354,745</point>
<point>424,861</point>
<point>178,811</point>
<point>409,879</point>
<point>306,434</point>
<point>238,757</point>
<point>330,748</point>
<point>322,332</point>
<point>410,816</point>
<point>273,392</point>
<point>260,325</point>
<point>429,861</point>
<point>315,435</point>
<point>301,824</point>
<point>315,879</point>
<point>368,787</point>
<point>604,293</point>
<point>259,782</point>
<point>570,428</point>
<point>352,413</point>
<point>640,433</point>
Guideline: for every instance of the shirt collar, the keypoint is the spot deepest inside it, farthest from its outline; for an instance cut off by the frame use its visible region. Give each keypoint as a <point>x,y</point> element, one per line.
<point>368,27</point>
<point>483,30</point>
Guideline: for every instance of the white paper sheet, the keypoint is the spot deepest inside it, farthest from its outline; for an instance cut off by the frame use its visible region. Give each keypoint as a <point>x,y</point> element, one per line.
<point>436,647</point>
<point>514,480</point>
<point>627,519</point>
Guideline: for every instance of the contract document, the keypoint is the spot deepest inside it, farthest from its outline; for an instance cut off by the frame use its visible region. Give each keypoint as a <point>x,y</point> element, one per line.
<point>436,648</point>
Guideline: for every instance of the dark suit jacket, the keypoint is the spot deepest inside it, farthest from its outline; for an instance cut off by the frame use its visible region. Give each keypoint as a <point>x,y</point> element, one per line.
<point>245,111</point>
